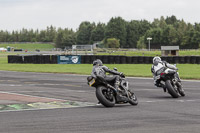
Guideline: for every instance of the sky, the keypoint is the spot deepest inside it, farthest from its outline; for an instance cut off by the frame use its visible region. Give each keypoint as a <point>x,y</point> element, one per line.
<point>38,14</point>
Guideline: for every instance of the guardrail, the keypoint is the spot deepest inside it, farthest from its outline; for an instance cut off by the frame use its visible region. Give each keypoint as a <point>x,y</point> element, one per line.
<point>106,59</point>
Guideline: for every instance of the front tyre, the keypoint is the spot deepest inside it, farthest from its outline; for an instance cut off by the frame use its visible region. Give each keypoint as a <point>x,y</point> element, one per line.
<point>132,98</point>
<point>180,89</point>
<point>105,96</point>
<point>171,89</point>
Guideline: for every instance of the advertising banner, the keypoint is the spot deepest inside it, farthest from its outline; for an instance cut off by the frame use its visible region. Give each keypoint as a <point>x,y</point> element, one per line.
<point>69,59</point>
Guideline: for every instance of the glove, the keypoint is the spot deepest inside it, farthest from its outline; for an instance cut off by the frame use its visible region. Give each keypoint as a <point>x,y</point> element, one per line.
<point>122,75</point>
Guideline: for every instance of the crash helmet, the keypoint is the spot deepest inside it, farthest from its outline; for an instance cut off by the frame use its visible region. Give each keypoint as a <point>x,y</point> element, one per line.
<point>156,59</point>
<point>97,62</point>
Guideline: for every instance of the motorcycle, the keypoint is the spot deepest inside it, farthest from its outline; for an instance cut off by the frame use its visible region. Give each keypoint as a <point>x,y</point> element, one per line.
<point>171,82</point>
<point>107,94</point>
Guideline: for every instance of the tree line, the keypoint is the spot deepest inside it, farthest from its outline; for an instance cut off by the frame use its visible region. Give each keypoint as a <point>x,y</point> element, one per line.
<point>118,32</point>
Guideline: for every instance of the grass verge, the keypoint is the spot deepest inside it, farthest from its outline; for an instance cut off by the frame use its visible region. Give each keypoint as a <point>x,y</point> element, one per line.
<point>187,71</point>
<point>29,47</point>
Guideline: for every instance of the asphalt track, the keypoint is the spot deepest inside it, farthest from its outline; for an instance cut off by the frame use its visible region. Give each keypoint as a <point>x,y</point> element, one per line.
<point>156,112</point>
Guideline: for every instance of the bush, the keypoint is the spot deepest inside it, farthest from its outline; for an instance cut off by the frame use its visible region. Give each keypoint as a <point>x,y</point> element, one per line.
<point>113,43</point>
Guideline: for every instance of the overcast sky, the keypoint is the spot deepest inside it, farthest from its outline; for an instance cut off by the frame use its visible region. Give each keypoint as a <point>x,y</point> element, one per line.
<point>38,14</point>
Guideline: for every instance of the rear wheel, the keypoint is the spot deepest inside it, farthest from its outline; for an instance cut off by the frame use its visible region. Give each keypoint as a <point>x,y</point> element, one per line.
<point>132,98</point>
<point>105,96</point>
<point>171,89</point>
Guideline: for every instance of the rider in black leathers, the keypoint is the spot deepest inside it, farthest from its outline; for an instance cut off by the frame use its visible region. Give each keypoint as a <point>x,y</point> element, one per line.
<point>99,70</point>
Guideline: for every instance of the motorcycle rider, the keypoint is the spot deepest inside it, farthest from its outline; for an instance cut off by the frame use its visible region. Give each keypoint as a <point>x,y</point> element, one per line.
<point>158,64</point>
<point>99,70</point>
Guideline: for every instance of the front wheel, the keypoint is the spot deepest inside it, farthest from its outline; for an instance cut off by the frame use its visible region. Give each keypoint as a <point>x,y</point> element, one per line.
<point>105,96</point>
<point>132,98</point>
<point>180,89</point>
<point>171,89</point>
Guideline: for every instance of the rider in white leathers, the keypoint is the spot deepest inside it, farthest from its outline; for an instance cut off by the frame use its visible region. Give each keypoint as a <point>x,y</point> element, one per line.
<point>158,64</point>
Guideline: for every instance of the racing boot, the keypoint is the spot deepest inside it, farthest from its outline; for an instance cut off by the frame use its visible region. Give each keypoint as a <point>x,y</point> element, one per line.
<point>116,86</point>
<point>158,84</point>
<point>164,87</point>
<point>119,96</point>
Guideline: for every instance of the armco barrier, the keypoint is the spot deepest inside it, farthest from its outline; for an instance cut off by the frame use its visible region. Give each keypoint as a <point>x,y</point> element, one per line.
<point>106,59</point>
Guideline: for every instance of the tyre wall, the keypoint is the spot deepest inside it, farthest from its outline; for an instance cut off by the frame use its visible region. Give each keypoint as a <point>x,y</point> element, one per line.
<point>106,59</point>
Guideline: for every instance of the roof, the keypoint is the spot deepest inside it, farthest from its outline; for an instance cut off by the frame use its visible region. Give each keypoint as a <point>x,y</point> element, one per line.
<point>169,47</point>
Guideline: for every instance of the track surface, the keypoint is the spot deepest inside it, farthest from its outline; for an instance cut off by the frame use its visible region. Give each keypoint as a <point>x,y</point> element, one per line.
<point>156,112</point>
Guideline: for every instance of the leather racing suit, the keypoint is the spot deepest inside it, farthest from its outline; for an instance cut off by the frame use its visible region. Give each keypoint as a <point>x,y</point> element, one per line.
<point>158,66</point>
<point>100,72</point>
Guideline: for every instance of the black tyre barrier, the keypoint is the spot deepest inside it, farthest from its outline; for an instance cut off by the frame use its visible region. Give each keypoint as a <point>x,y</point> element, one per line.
<point>135,59</point>
<point>151,60</point>
<point>111,59</point>
<point>100,57</point>
<point>11,59</point>
<point>27,59</point>
<point>128,59</point>
<point>123,60</point>
<point>15,59</point>
<point>164,58</point>
<point>106,59</point>
<point>93,58</point>
<point>193,59</point>
<point>187,59</point>
<point>176,59</point>
<point>103,58</point>
<point>170,59</point>
<point>117,59</point>
<point>54,59</point>
<point>140,59</point>
<point>198,60</point>
<point>83,59</point>
<point>181,59</point>
<point>147,59</point>
<point>47,59</point>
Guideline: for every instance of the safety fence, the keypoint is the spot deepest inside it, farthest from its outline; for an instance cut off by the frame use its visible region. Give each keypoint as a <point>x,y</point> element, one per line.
<point>106,59</point>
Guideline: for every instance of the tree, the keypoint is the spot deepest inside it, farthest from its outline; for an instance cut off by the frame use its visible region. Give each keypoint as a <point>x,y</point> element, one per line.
<point>155,34</point>
<point>169,36</point>
<point>116,28</point>
<point>171,20</point>
<point>133,34</point>
<point>84,33</point>
<point>141,43</point>
<point>65,38</point>
<point>98,33</point>
<point>50,33</point>
<point>136,29</point>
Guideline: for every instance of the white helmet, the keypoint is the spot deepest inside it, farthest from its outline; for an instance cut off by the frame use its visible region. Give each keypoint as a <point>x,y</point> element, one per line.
<point>156,59</point>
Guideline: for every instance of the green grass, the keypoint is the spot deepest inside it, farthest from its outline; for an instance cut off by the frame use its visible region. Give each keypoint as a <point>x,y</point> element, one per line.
<point>29,47</point>
<point>187,71</point>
